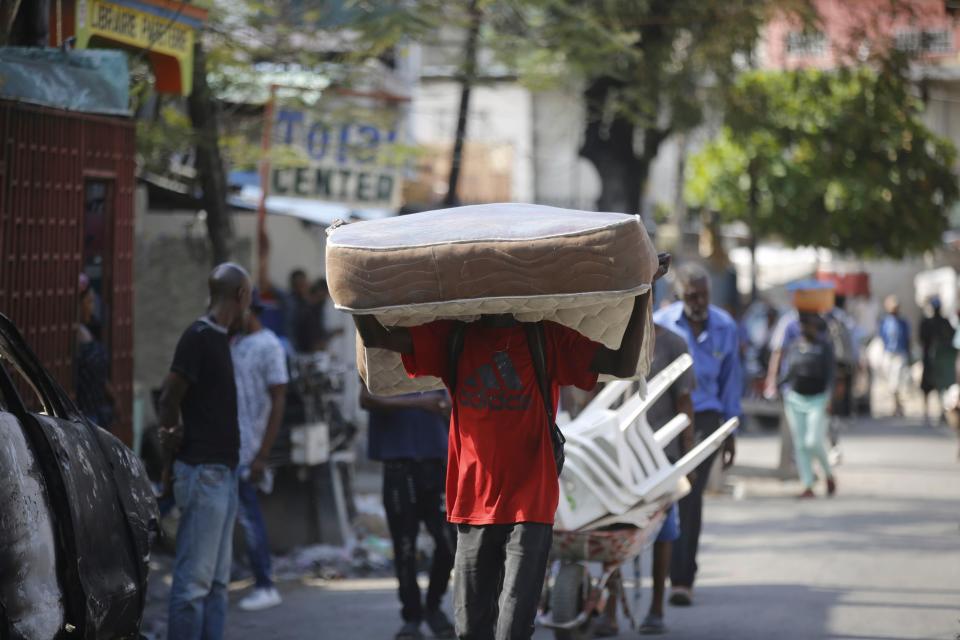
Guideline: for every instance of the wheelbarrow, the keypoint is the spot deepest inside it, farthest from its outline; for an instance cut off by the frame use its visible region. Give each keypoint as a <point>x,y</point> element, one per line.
<point>574,594</point>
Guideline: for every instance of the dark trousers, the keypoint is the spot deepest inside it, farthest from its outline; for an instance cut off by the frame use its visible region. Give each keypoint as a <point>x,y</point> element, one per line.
<point>498,577</point>
<point>413,493</point>
<point>255,534</point>
<point>683,566</point>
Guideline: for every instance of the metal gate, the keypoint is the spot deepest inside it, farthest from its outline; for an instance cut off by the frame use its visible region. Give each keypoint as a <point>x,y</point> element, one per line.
<point>48,160</point>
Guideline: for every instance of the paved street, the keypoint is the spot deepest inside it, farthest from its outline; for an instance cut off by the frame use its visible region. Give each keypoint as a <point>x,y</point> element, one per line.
<point>881,561</point>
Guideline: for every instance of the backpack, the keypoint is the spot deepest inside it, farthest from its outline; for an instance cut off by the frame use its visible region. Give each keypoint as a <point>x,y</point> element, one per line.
<point>808,367</point>
<point>536,342</point>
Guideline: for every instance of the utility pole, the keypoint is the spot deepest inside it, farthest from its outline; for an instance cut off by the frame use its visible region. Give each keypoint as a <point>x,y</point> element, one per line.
<point>752,204</point>
<point>469,74</point>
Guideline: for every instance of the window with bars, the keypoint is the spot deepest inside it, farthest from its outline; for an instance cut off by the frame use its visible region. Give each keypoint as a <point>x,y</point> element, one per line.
<point>923,41</point>
<point>806,44</point>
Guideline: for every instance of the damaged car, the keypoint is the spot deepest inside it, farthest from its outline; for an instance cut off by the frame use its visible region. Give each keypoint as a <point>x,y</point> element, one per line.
<point>77,512</point>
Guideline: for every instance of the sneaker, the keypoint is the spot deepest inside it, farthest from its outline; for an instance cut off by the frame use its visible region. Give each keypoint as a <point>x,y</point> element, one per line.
<point>409,631</point>
<point>831,487</point>
<point>835,457</point>
<point>681,597</point>
<point>260,599</point>
<point>605,627</point>
<point>807,494</point>
<point>440,624</point>
<point>652,626</point>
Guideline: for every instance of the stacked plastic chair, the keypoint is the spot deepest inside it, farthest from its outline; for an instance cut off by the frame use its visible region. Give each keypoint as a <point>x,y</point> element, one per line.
<point>615,462</point>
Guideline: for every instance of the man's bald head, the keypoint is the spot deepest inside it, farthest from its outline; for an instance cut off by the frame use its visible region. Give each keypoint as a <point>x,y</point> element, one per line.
<point>227,281</point>
<point>230,293</point>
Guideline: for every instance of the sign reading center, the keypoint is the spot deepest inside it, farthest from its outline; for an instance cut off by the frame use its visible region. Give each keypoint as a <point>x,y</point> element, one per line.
<point>344,161</point>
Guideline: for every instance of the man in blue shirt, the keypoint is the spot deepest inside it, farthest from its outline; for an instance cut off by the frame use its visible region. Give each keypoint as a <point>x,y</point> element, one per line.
<point>712,337</point>
<point>409,435</point>
<point>895,334</point>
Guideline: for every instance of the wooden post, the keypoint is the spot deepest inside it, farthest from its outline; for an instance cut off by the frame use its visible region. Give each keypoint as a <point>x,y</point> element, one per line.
<point>266,143</point>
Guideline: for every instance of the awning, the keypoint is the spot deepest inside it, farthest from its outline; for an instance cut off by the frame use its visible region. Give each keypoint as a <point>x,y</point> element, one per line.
<point>85,81</point>
<point>247,197</point>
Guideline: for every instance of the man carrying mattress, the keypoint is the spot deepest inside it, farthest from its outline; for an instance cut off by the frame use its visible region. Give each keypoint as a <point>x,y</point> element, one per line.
<point>502,488</point>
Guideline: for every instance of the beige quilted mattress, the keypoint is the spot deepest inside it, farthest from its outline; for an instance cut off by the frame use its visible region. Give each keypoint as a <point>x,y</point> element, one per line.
<point>578,268</point>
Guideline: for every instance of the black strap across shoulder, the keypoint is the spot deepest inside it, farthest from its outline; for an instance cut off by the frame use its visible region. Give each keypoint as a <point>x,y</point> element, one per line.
<point>538,353</point>
<point>537,343</point>
<point>454,349</point>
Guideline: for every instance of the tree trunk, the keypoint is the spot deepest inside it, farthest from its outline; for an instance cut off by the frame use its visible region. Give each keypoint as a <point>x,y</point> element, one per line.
<point>466,85</point>
<point>205,119</point>
<point>609,146</point>
<point>25,24</point>
<point>8,14</point>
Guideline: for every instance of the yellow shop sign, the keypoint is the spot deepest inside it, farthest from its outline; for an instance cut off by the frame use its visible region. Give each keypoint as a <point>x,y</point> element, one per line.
<point>139,28</point>
<point>164,30</point>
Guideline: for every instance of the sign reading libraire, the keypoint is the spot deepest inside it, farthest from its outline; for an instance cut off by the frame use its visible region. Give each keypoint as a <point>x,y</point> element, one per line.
<point>141,29</point>
<point>346,157</point>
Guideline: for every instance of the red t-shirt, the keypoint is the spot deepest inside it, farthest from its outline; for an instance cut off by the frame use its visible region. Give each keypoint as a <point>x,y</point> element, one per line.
<point>501,467</point>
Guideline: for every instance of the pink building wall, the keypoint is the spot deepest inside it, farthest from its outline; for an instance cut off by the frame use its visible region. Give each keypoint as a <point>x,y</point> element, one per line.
<point>846,25</point>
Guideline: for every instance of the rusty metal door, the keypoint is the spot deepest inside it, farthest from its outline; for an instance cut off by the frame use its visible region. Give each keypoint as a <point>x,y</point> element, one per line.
<point>46,158</point>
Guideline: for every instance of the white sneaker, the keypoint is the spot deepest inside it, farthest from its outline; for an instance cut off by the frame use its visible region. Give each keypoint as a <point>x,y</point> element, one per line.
<point>260,599</point>
<point>835,456</point>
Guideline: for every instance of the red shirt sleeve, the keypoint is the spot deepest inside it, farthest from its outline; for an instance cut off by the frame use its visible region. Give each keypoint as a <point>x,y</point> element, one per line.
<point>430,350</point>
<point>569,355</point>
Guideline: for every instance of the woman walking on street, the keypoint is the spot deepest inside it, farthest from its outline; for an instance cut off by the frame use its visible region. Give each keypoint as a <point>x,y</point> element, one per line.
<point>936,339</point>
<point>809,377</point>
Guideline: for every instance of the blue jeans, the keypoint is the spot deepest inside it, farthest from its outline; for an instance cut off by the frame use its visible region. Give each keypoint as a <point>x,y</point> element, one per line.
<point>207,497</point>
<point>255,534</point>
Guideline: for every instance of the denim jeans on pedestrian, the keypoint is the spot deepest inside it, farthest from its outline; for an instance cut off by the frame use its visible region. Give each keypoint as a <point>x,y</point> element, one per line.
<point>498,577</point>
<point>255,534</point>
<point>206,495</point>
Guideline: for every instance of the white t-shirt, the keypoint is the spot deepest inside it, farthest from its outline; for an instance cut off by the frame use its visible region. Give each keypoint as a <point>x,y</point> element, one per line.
<point>259,362</point>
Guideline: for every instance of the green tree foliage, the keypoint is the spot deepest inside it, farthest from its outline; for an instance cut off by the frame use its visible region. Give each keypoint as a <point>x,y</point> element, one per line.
<point>648,68</point>
<point>839,159</point>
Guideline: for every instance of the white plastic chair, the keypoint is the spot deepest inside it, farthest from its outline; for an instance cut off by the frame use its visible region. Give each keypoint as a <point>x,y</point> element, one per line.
<point>614,497</point>
<point>693,459</point>
<point>580,502</point>
<point>621,437</point>
<point>581,493</point>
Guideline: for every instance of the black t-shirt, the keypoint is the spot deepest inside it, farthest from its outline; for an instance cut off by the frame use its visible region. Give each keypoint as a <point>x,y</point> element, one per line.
<point>209,408</point>
<point>309,329</point>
